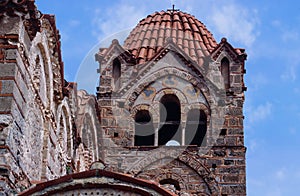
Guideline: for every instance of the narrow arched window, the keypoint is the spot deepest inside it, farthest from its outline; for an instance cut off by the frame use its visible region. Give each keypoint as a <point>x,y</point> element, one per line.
<point>116,72</point>
<point>196,127</point>
<point>225,72</point>
<point>170,115</point>
<point>144,130</point>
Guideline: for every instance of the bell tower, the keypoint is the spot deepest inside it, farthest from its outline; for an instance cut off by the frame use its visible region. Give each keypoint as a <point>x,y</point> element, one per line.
<point>171,103</point>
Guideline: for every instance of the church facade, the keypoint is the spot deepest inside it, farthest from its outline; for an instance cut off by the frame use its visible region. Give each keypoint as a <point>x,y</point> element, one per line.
<point>167,118</point>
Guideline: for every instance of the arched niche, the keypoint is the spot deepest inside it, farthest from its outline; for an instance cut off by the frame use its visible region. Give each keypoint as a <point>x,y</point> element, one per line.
<point>225,72</point>
<point>116,73</point>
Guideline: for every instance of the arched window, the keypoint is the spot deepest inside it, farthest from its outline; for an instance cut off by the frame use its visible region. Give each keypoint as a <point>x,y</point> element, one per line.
<point>170,184</point>
<point>196,127</point>
<point>144,130</point>
<point>116,72</point>
<point>225,71</point>
<point>170,115</point>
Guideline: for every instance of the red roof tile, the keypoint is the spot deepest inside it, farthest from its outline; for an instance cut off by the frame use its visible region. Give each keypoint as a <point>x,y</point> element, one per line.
<point>186,31</point>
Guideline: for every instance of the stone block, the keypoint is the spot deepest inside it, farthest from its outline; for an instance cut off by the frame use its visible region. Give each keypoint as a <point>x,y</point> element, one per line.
<point>219,153</point>
<point>220,142</point>
<point>11,54</point>
<point>7,69</point>
<point>5,104</point>
<point>235,132</point>
<point>236,153</point>
<point>235,68</point>
<point>10,26</point>
<point>231,178</point>
<point>237,79</point>
<point>228,162</point>
<point>234,189</point>
<point>229,170</point>
<point>230,141</point>
<point>7,86</point>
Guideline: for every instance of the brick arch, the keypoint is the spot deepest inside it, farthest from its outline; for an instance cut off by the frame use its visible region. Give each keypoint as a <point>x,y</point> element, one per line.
<point>139,107</point>
<point>194,80</point>
<point>165,175</point>
<point>64,111</point>
<point>171,91</point>
<point>191,160</point>
<point>199,106</point>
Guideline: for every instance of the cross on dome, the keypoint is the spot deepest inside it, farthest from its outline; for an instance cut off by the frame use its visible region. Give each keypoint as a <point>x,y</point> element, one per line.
<point>173,9</point>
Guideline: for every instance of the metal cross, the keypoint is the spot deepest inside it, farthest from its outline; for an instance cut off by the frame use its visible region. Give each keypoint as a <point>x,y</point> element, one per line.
<point>173,9</point>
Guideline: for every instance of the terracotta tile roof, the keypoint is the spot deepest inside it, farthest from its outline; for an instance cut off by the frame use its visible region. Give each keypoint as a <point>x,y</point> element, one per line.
<point>151,34</point>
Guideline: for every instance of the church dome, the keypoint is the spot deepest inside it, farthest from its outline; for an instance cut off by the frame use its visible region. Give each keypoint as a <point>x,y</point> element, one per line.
<point>152,32</point>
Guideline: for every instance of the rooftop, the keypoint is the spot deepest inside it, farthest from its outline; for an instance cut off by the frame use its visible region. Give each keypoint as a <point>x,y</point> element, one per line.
<point>188,33</point>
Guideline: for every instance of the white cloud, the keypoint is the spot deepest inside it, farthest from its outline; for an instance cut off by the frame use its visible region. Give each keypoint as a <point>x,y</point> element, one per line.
<point>258,81</point>
<point>275,191</point>
<point>74,23</point>
<point>115,19</point>
<point>236,22</point>
<point>259,113</point>
<point>281,174</point>
<point>290,36</point>
<point>253,145</point>
<point>289,74</point>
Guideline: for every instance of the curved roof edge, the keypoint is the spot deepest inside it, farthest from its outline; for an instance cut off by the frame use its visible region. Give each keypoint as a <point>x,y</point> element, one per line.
<point>79,181</point>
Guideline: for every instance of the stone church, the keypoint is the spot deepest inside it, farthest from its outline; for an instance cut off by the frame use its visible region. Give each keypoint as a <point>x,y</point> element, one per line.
<point>167,118</point>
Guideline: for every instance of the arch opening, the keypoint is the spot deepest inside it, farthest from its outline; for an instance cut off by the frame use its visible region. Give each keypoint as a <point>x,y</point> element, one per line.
<point>144,129</point>
<point>170,117</point>
<point>170,184</point>
<point>196,128</point>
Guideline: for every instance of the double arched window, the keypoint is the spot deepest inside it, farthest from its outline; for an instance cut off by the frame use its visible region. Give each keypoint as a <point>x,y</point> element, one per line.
<point>170,129</point>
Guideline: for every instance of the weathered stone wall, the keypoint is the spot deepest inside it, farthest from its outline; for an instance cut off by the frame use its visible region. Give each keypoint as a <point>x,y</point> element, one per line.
<point>38,136</point>
<point>222,156</point>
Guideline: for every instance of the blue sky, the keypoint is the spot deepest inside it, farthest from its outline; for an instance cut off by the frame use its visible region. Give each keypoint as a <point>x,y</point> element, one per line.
<point>270,32</point>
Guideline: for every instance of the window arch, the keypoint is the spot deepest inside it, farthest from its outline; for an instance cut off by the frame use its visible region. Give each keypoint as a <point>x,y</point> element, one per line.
<point>144,129</point>
<point>170,184</point>
<point>225,72</point>
<point>170,117</point>
<point>196,128</point>
<point>116,72</point>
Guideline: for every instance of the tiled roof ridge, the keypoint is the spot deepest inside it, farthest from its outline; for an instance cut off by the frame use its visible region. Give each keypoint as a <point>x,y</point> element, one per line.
<point>152,32</point>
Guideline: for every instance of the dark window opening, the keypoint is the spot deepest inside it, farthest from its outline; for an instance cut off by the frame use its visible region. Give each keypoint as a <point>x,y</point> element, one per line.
<point>196,128</point>
<point>116,72</point>
<point>170,182</point>
<point>170,115</point>
<point>223,132</point>
<point>225,71</point>
<point>144,129</point>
